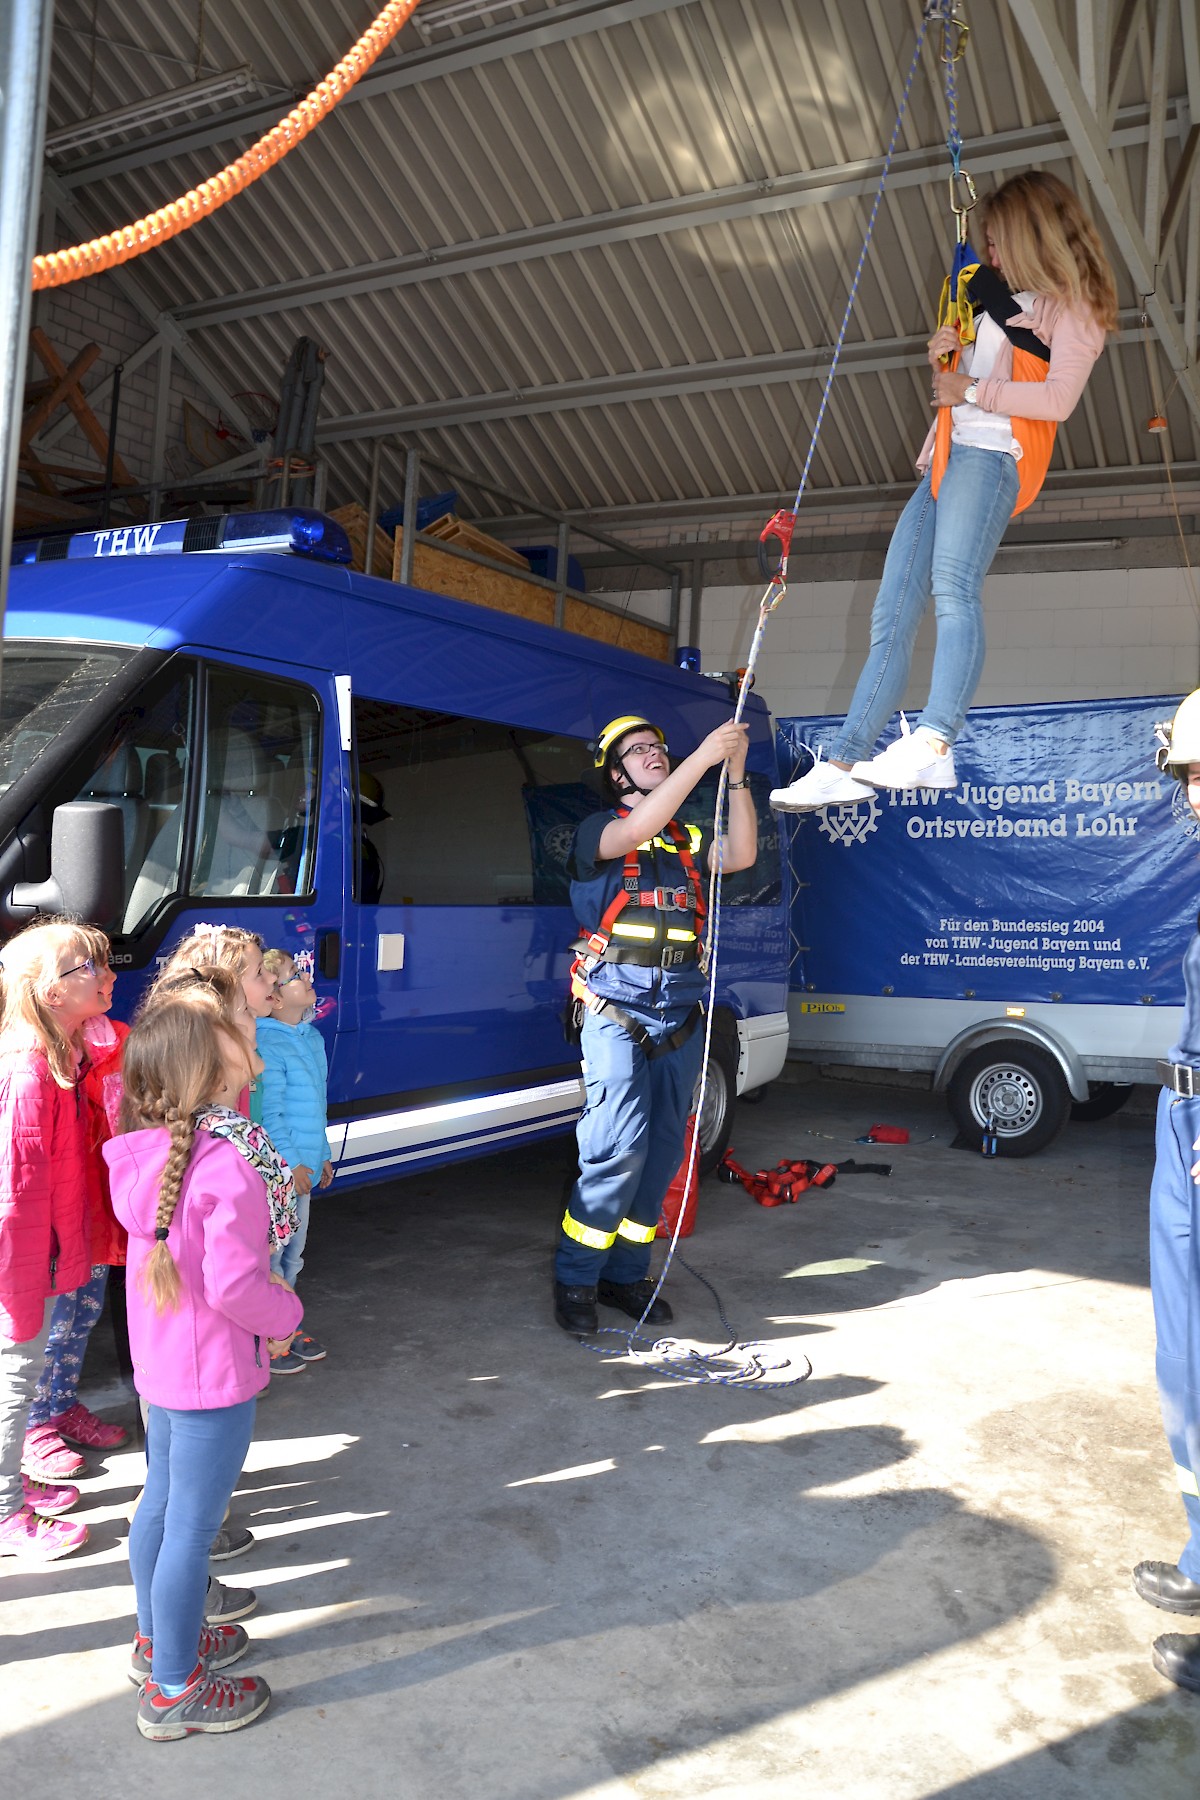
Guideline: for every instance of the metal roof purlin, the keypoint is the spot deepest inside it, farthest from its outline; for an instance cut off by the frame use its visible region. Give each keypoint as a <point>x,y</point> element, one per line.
<point>815,187</point>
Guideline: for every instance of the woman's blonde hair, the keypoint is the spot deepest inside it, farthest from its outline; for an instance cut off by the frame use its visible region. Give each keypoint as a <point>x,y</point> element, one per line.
<point>29,968</point>
<point>213,947</point>
<point>173,1065</point>
<point>1047,244</point>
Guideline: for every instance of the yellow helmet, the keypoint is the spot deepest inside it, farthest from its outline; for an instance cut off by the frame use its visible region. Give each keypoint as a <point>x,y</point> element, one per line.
<point>615,730</point>
<point>1180,740</point>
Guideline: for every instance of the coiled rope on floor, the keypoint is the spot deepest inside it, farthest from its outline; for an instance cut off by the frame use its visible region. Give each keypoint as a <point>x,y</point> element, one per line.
<point>60,267</point>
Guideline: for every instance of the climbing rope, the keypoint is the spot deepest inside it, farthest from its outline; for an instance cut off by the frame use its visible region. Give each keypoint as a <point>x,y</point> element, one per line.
<point>751,1364</point>
<point>63,266</point>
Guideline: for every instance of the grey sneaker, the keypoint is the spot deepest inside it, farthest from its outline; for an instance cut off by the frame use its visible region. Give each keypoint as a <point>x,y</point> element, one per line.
<point>288,1364</point>
<point>223,1603</point>
<point>220,1645</point>
<point>230,1541</point>
<point>208,1703</point>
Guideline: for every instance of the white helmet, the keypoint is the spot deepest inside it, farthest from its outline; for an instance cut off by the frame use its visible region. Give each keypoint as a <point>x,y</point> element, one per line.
<point>1180,740</point>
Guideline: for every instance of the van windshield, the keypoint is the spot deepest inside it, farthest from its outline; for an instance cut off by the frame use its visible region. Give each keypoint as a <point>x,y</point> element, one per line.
<point>43,687</point>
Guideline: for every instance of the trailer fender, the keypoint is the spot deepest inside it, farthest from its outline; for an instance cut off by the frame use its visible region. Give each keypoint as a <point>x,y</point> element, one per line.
<point>1029,1031</point>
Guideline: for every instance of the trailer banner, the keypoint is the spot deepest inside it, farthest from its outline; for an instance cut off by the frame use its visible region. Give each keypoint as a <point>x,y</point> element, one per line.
<point>1064,866</point>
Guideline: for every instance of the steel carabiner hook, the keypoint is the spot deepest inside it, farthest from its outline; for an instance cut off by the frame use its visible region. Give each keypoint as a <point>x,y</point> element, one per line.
<point>961,212</point>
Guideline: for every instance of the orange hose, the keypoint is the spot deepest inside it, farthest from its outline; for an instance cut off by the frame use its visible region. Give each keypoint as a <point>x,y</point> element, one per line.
<point>63,266</point>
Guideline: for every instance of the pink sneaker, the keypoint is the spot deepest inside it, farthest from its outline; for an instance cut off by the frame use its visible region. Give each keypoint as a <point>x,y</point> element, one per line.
<point>46,1458</point>
<point>79,1426</point>
<point>48,1500</point>
<point>41,1540</point>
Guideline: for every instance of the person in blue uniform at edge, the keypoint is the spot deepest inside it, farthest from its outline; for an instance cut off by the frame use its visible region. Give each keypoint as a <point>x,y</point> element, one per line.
<point>637,986</point>
<point>1175,1262</point>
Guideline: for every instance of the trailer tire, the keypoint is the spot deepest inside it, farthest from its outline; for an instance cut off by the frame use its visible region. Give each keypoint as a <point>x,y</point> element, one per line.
<point>1023,1090</point>
<point>1104,1099</point>
<point>716,1121</point>
<point>755,1096</point>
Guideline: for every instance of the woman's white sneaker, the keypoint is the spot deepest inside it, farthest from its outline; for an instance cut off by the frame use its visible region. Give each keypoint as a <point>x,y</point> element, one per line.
<point>911,761</point>
<point>824,785</point>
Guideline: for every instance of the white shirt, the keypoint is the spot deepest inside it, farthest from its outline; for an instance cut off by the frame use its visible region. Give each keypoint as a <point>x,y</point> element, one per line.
<point>970,424</point>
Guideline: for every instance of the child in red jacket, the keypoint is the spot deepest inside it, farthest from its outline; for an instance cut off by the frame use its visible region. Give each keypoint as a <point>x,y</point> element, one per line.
<point>49,987</point>
<point>59,1426</point>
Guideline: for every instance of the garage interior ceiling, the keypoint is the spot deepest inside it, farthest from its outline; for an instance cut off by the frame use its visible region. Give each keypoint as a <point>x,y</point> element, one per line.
<point>599,249</point>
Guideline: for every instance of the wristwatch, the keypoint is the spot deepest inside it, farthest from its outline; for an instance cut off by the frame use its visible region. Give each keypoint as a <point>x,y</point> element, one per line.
<point>971,394</point>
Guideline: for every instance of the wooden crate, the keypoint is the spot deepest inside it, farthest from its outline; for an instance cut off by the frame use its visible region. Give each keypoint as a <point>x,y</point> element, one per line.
<point>440,572</point>
<point>453,530</point>
<point>353,521</point>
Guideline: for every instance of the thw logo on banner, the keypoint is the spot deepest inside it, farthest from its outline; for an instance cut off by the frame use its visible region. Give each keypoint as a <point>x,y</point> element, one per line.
<point>850,823</point>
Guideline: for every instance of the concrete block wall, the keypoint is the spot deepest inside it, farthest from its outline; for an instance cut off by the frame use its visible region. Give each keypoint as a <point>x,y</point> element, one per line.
<point>1071,635</point>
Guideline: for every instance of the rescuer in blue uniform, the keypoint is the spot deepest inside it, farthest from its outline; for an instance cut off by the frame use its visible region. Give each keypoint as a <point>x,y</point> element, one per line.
<point>1175,1262</point>
<point>638,881</point>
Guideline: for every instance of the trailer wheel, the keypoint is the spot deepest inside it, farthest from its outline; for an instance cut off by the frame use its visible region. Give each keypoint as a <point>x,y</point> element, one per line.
<point>1104,1099</point>
<point>716,1120</point>
<point>1019,1088</point>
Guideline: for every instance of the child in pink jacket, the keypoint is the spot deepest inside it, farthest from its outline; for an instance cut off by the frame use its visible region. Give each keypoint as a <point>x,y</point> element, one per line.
<point>203,1310</point>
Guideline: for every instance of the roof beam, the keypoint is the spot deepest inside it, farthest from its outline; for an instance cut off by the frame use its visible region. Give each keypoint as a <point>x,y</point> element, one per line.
<point>1058,75</point>
<point>628,387</point>
<point>569,19</point>
<point>813,187</point>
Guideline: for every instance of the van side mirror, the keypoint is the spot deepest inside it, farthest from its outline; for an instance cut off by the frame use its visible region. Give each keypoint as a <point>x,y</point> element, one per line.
<point>87,865</point>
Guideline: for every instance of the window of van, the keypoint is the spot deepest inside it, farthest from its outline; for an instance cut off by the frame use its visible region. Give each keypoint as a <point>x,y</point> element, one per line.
<point>257,832</point>
<point>44,688</point>
<point>456,811</point>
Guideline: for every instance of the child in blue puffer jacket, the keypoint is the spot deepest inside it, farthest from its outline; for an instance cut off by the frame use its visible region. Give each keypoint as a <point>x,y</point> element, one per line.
<point>293,1083</point>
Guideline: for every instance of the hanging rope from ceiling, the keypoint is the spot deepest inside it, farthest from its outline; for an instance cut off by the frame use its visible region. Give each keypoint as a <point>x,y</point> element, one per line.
<point>61,267</point>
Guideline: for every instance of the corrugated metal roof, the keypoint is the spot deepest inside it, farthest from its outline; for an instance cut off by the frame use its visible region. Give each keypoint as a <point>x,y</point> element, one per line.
<point>615,259</point>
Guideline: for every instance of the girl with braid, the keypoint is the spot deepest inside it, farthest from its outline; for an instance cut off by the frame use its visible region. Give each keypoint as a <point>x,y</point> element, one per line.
<point>204,1311</point>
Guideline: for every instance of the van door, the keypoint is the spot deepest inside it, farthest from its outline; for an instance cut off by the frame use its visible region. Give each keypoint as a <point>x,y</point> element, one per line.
<point>463,928</point>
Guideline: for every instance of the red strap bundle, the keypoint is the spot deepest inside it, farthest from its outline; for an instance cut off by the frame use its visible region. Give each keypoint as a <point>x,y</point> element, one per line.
<point>782,1185</point>
<point>887,1134</point>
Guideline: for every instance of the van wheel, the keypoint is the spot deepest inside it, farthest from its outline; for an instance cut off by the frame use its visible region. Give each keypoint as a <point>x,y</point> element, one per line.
<point>716,1120</point>
<point>1019,1088</point>
<point>1104,1099</point>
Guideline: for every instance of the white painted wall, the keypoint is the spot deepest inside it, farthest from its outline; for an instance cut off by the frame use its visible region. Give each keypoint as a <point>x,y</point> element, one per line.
<point>1094,635</point>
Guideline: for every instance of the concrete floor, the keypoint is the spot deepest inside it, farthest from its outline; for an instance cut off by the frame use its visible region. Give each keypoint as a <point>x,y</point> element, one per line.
<point>493,1567</point>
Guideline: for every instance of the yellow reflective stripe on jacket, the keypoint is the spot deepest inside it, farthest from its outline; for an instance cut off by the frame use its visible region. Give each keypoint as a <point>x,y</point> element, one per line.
<point>680,937</point>
<point>695,839</point>
<point>1187,1481</point>
<point>587,1236</point>
<point>634,931</point>
<point>637,1234</point>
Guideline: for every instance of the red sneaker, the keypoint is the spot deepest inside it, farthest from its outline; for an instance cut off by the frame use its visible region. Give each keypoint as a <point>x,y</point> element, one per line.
<point>41,1540</point>
<point>208,1703</point>
<point>79,1426</point>
<point>46,1458</point>
<point>220,1645</point>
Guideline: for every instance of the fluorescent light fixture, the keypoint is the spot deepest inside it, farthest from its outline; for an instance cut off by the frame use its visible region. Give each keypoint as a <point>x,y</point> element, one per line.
<point>158,109</point>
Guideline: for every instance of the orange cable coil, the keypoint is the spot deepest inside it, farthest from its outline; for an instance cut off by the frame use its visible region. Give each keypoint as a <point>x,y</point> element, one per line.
<point>63,266</point>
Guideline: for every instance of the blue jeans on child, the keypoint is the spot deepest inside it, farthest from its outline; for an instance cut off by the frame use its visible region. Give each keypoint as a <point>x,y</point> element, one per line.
<point>940,549</point>
<point>193,1462</point>
<point>289,1261</point>
<point>71,1320</point>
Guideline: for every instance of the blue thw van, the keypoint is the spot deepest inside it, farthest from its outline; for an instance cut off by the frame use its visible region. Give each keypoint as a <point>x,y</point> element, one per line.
<point>216,720</point>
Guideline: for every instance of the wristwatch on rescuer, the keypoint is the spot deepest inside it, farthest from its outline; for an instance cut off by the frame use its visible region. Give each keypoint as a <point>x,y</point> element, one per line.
<point>970,394</point>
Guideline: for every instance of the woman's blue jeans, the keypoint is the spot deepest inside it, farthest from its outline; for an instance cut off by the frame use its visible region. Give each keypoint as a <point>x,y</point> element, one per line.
<point>194,1460</point>
<point>941,550</point>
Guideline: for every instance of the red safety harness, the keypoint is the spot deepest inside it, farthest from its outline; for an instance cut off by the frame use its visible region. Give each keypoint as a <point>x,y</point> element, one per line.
<point>686,899</point>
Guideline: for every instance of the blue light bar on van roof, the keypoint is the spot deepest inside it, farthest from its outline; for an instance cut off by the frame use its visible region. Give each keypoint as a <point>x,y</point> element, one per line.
<point>295,528</point>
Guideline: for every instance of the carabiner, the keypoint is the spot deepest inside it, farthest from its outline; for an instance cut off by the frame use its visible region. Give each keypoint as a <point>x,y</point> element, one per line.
<point>951,20</point>
<point>961,212</point>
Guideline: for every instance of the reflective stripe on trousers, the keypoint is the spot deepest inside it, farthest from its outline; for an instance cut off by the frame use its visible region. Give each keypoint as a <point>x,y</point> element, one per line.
<point>630,1140</point>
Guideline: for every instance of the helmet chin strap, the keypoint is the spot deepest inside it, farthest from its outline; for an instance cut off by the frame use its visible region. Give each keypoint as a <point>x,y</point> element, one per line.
<point>618,763</point>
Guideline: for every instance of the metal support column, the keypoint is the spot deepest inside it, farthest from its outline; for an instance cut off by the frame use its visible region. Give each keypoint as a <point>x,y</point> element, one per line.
<point>412,488</point>
<point>24,75</point>
<point>158,440</point>
<point>676,583</point>
<point>560,574</point>
<point>694,599</point>
<point>372,507</point>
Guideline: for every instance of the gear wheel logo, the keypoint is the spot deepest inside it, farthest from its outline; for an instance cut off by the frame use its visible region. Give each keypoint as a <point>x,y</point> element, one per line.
<point>851,823</point>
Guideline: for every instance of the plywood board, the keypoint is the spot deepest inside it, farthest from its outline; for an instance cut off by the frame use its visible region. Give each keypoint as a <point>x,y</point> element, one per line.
<point>353,521</point>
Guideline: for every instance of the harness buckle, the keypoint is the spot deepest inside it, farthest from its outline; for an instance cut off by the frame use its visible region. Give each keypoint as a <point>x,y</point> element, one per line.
<point>1188,1092</point>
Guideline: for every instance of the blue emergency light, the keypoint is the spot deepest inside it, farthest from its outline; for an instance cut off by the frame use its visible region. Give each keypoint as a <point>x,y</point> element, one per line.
<point>298,529</point>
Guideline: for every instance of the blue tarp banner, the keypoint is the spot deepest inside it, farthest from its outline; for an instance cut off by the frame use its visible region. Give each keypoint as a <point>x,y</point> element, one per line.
<point>1062,867</point>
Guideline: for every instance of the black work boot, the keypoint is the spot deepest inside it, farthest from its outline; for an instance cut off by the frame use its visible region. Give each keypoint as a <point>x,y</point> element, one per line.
<point>1165,1585</point>
<point>1178,1658</point>
<point>575,1308</point>
<point>631,1297</point>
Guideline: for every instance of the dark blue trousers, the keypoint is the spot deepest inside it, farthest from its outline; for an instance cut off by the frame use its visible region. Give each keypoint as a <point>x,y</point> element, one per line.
<point>1175,1287</point>
<point>630,1136</point>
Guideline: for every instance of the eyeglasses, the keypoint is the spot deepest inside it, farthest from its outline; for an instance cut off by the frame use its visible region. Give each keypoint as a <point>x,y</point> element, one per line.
<point>288,980</point>
<point>87,964</point>
<point>643,750</point>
